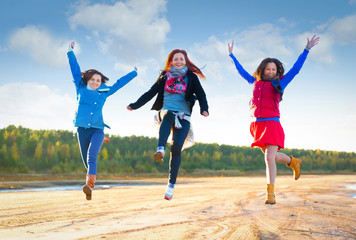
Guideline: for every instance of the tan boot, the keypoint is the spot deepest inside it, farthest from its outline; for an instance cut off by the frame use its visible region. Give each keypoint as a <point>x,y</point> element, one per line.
<point>295,164</point>
<point>89,186</point>
<point>270,199</point>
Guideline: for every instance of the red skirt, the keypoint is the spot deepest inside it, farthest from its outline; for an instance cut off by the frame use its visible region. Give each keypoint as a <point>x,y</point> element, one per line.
<point>267,132</point>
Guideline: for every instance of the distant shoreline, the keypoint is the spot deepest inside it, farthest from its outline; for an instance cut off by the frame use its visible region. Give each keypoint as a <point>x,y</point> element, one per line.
<point>19,185</point>
<point>15,177</point>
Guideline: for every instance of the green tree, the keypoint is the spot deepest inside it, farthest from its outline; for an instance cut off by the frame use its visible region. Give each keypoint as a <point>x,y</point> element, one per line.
<point>39,151</point>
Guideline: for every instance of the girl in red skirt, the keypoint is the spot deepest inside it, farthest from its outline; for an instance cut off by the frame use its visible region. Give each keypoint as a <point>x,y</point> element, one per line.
<point>269,83</point>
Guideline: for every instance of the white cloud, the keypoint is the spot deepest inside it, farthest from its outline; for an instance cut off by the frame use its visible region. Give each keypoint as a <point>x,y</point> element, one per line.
<point>249,47</point>
<point>322,52</point>
<point>36,106</point>
<point>125,68</point>
<point>212,49</point>
<point>337,31</point>
<point>261,41</point>
<point>343,30</point>
<point>40,45</point>
<point>126,29</point>
<point>3,49</point>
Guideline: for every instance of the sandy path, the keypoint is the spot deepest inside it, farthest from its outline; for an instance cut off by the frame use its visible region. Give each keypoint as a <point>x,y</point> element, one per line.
<point>314,207</point>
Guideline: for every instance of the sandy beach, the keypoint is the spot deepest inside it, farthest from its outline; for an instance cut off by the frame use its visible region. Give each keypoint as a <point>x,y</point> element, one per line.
<point>314,207</point>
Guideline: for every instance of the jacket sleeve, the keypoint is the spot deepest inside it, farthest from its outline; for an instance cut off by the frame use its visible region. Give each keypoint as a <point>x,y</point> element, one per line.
<point>288,77</point>
<point>147,96</point>
<point>250,79</point>
<point>75,69</point>
<point>122,82</point>
<point>199,91</point>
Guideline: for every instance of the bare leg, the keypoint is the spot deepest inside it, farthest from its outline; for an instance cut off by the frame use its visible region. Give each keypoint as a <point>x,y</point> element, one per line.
<point>283,158</point>
<point>270,159</point>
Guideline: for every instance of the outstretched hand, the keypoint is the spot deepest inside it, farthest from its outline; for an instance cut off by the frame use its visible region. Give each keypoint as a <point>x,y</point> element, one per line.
<point>312,42</point>
<point>129,108</point>
<point>230,47</point>
<point>71,46</point>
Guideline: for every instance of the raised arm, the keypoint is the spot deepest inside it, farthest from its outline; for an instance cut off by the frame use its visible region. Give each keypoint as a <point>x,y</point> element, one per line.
<point>74,66</point>
<point>122,81</point>
<point>299,63</point>
<point>250,79</point>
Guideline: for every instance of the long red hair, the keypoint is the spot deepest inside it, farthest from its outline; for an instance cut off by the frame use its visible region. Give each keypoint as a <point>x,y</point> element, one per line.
<point>191,66</point>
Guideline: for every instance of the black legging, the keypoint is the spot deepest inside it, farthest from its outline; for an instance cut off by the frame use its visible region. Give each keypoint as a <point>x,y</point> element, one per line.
<point>179,136</point>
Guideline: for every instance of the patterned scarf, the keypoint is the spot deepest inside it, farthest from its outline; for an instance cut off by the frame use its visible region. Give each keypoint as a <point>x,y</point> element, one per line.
<point>175,77</point>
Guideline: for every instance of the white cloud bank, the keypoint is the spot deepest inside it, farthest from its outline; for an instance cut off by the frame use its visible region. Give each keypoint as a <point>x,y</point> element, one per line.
<point>40,45</point>
<point>129,29</point>
<point>35,106</point>
<point>343,30</point>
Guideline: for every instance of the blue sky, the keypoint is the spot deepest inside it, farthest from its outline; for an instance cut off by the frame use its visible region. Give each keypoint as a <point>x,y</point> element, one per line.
<point>319,106</point>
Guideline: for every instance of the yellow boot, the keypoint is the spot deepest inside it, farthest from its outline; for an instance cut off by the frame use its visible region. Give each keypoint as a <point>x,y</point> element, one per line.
<point>270,199</point>
<point>89,186</point>
<point>295,164</point>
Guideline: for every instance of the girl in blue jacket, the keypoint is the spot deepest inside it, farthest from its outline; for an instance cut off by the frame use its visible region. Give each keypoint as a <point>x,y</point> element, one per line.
<point>91,95</point>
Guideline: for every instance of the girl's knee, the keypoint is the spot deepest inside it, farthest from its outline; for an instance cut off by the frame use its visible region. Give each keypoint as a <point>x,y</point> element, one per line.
<point>176,149</point>
<point>270,157</point>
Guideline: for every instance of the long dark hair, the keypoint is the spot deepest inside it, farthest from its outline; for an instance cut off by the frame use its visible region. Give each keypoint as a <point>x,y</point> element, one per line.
<point>260,69</point>
<point>189,64</point>
<point>89,73</point>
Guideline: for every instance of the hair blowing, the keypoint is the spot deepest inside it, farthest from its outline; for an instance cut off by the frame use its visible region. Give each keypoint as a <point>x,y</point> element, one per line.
<point>260,69</point>
<point>87,75</point>
<point>189,64</point>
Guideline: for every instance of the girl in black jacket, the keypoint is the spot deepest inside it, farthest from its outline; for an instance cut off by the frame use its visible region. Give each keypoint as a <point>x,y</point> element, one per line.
<point>178,87</point>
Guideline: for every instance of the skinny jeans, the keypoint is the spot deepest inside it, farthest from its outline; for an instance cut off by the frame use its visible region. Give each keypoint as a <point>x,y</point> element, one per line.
<point>179,136</point>
<point>90,141</point>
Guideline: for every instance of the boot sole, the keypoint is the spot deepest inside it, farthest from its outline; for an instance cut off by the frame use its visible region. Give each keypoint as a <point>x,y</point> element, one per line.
<point>87,191</point>
<point>168,198</point>
<point>270,202</point>
<point>158,157</point>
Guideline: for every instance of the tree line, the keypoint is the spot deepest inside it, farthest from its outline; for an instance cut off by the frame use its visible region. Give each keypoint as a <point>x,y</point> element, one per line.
<point>24,150</point>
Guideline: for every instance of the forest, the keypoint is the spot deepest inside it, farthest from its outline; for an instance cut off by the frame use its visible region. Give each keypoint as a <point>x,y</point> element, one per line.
<point>27,151</point>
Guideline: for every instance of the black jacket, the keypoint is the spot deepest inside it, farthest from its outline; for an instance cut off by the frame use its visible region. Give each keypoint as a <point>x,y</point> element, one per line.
<point>194,92</point>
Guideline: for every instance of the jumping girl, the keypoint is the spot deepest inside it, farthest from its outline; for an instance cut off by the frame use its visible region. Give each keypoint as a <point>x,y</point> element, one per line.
<point>91,95</point>
<point>269,83</point>
<point>178,87</point>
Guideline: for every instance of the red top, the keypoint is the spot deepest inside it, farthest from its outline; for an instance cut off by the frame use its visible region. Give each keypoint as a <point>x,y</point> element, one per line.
<point>265,100</point>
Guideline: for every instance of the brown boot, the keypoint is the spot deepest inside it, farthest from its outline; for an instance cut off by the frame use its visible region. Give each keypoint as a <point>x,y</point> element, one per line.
<point>270,199</point>
<point>89,186</point>
<point>295,164</point>
<point>106,139</point>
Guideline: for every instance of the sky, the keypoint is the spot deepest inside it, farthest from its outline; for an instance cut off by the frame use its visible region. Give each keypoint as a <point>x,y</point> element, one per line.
<point>318,110</point>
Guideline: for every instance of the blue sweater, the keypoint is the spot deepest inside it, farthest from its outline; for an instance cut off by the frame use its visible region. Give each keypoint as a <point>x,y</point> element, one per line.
<point>90,102</point>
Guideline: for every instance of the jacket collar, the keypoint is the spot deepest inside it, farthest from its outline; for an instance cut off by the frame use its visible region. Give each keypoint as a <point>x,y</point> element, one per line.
<point>103,88</point>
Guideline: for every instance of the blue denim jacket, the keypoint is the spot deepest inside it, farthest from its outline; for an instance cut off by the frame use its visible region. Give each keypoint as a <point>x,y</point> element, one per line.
<point>90,102</point>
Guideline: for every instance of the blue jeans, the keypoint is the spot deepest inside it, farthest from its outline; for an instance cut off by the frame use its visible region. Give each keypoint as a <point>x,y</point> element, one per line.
<point>90,141</point>
<point>178,138</point>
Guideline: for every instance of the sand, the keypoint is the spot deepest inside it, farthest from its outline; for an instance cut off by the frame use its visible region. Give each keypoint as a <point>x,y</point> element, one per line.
<point>314,207</point>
